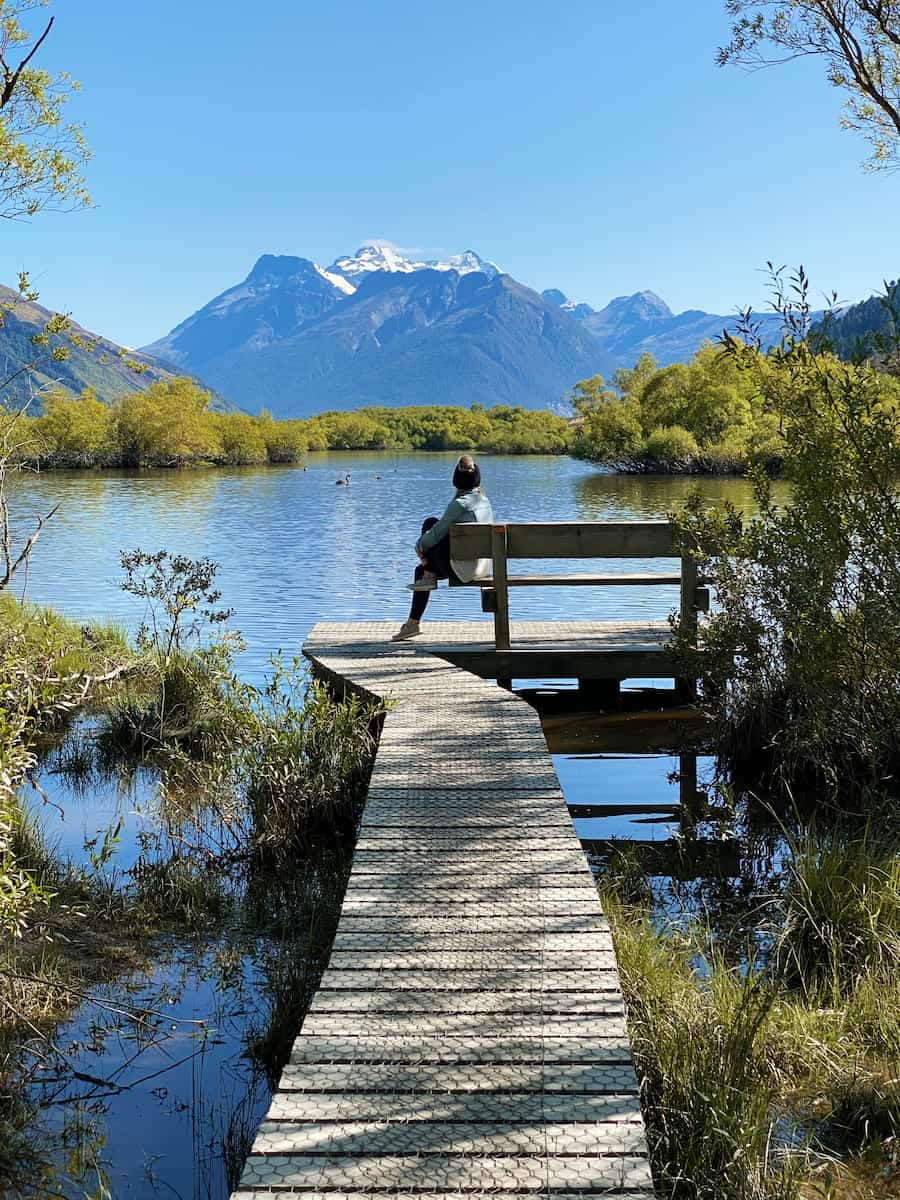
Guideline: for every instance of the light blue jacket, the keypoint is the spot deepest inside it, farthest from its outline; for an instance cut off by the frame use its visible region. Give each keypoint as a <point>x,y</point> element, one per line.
<point>470,507</point>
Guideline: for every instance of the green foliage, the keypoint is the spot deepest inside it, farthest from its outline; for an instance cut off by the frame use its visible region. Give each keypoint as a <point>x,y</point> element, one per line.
<point>803,648</point>
<point>501,430</point>
<point>179,595</point>
<point>702,416</point>
<point>170,425</point>
<point>859,42</point>
<point>840,913</point>
<point>78,430</point>
<point>167,425</point>
<point>671,445</point>
<point>300,758</point>
<point>48,666</point>
<point>307,761</point>
<point>612,435</point>
<point>701,1053</point>
<point>41,157</point>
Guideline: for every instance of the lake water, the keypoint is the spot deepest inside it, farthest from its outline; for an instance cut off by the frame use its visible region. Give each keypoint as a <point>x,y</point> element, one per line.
<point>294,549</point>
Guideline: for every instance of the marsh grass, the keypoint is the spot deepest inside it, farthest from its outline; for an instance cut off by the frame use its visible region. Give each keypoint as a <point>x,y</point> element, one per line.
<point>778,1077</point>
<point>707,1083</point>
<point>258,791</point>
<point>840,912</point>
<point>307,763</point>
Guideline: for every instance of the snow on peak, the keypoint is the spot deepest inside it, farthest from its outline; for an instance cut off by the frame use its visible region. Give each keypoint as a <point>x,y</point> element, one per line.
<point>338,281</point>
<point>465,263</point>
<point>352,269</point>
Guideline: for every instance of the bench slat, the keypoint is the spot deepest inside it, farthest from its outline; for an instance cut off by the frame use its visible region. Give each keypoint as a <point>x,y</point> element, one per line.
<point>569,539</point>
<point>583,580</point>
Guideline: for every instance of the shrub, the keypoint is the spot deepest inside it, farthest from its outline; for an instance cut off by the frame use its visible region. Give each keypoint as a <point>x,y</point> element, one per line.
<point>671,447</point>
<point>803,648</point>
<point>307,761</point>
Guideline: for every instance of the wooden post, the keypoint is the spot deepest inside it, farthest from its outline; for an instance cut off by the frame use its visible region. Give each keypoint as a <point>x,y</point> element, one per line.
<point>687,688</point>
<point>501,588</point>
<point>501,595</point>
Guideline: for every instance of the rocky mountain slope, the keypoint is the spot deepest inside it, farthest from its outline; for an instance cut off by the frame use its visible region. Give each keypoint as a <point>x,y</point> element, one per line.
<point>104,368</point>
<point>377,327</point>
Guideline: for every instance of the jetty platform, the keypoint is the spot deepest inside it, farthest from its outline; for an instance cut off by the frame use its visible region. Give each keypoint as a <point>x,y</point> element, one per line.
<point>468,1034</point>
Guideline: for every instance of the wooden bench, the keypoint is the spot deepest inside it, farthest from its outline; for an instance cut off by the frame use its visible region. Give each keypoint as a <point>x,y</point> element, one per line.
<point>584,539</point>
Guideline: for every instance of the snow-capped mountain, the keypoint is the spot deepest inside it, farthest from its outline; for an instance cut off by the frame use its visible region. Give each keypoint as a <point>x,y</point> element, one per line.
<point>377,327</point>
<point>382,257</point>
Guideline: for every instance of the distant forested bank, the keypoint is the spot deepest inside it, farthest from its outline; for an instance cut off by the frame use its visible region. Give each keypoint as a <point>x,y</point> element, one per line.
<point>714,415</point>
<point>170,425</point>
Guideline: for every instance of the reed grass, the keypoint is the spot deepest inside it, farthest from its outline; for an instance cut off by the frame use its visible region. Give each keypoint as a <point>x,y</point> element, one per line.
<point>840,912</point>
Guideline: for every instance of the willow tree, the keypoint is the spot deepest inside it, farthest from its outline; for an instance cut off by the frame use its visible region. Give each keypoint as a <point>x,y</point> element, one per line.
<point>42,157</point>
<point>859,41</point>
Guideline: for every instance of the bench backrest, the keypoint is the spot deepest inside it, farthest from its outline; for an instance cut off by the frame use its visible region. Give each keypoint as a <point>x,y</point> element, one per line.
<point>568,539</point>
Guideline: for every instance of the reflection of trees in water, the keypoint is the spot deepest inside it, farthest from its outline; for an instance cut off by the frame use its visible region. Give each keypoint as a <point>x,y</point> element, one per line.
<point>258,978</point>
<point>130,1045</point>
<point>603,496</point>
<point>609,497</point>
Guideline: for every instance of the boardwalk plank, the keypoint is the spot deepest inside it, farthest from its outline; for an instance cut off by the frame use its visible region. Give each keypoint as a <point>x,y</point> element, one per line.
<point>469,1032</point>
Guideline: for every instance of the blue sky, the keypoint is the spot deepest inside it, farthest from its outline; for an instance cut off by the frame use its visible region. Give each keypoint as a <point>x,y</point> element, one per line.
<point>584,145</point>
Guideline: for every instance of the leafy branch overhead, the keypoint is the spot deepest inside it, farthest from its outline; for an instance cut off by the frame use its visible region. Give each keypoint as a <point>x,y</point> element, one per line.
<point>41,155</point>
<point>860,43</point>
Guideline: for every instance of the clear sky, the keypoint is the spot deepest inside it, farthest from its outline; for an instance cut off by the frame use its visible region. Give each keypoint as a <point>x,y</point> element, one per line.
<point>586,145</point>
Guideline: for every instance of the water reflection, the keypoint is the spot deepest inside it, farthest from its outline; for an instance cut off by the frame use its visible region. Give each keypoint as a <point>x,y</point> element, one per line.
<point>294,549</point>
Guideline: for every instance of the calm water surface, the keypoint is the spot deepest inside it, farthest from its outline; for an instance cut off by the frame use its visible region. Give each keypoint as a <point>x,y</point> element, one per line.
<point>294,549</point>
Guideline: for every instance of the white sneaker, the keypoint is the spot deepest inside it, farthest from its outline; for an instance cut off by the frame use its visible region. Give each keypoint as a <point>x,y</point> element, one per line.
<point>409,629</point>
<point>426,584</point>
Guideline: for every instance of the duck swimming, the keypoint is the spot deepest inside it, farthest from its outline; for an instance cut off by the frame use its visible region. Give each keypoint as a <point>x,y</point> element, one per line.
<point>345,482</point>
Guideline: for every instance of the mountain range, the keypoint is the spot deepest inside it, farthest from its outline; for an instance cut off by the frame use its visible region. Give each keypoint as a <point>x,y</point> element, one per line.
<point>376,327</point>
<point>379,327</point>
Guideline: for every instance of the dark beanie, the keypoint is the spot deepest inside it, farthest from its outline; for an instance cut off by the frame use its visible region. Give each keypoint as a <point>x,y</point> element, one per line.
<point>466,476</point>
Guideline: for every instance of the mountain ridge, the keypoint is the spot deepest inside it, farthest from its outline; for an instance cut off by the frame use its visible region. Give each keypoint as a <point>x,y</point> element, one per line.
<point>91,361</point>
<point>378,327</point>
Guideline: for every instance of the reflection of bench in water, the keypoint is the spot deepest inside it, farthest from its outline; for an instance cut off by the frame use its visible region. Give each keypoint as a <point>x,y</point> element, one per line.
<point>676,858</point>
<point>601,651</point>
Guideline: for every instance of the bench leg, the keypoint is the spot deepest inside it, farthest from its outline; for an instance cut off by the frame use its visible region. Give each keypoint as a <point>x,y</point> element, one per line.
<point>488,600</point>
<point>602,693</point>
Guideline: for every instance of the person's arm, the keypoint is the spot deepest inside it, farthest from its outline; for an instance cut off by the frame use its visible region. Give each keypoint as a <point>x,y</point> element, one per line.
<point>452,513</point>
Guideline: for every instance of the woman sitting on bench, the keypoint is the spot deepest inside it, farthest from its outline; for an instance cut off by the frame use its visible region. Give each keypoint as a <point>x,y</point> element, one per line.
<point>470,504</point>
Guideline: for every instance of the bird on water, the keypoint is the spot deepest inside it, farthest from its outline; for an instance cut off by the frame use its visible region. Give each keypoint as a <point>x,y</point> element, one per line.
<point>345,482</point>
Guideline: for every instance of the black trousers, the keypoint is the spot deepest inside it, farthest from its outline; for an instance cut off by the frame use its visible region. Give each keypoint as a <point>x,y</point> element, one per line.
<point>437,560</point>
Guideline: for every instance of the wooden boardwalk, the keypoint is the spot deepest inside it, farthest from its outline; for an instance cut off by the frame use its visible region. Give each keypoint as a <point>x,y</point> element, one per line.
<point>468,1034</point>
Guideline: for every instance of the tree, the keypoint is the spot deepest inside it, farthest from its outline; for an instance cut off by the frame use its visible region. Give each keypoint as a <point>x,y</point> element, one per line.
<point>40,164</point>
<point>166,426</point>
<point>860,42</point>
<point>72,432</point>
<point>41,157</point>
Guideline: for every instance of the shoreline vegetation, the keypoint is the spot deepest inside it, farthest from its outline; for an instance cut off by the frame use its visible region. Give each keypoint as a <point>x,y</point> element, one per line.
<point>765,1014</point>
<point>171,425</point>
<point>249,822</point>
<point>712,416</point>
